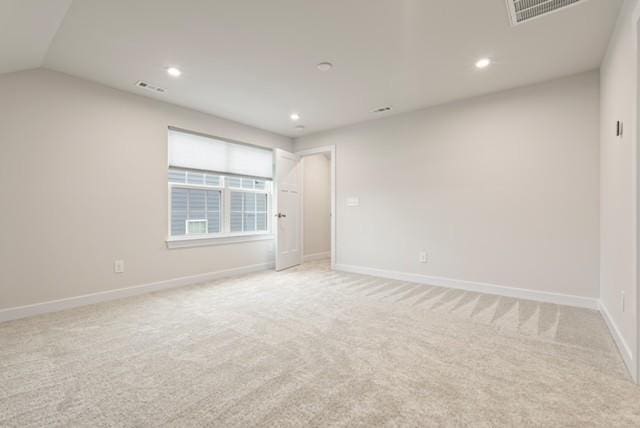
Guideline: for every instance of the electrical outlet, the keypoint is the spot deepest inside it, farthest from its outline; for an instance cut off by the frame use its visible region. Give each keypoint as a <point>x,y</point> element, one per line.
<point>423,257</point>
<point>118,266</point>
<point>622,301</point>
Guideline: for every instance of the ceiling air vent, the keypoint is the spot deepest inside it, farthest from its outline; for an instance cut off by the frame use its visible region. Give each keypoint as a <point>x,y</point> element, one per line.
<point>149,87</point>
<point>521,11</point>
<point>381,110</point>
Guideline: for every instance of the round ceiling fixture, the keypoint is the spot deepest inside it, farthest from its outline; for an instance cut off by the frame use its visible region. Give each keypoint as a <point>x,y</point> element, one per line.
<point>174,72</point>
<point>325,66</point>
<point>294,116</point>
<point>483,63</point>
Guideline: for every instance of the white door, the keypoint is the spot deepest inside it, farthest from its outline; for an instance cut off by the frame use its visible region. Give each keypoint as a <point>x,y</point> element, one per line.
<point>288,207</point>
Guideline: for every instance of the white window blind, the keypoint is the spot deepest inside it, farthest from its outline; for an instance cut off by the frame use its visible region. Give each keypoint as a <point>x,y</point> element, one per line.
<point>192,151</point>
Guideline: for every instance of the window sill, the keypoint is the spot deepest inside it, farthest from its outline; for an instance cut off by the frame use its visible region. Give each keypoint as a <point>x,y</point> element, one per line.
<point>205,241</point>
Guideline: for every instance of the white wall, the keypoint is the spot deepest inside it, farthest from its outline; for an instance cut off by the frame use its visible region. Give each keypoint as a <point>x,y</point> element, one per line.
<point>501,189</point>
<point>618,227</point>
<point>316,204</point>
<point>83,181</point>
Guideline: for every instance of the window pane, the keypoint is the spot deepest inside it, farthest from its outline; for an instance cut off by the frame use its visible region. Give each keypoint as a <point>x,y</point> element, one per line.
<point>249,222</point>
<point>212,180</point>
<point>261,221</point>
<point>236,201</point>
<point>197,204</point>
<point>195,177</point>
<point>249,202</point>
<point>261,202</point>
<point>260,185</point>
<point>213,200</point>
<point>234,182</point>
<point>248,183</point>
<point>179,203</point>
<point>236,211</point>
<point>236,221</point>
<point>176,176</point>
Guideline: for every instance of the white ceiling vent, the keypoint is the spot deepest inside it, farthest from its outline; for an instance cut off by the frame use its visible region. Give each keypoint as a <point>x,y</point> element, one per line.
<point>149,87</point>
<point>521,11</point>
<point>382,109</point>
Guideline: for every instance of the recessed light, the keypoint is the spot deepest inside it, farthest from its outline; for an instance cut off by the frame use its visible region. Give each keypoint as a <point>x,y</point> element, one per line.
<point>174,72</point>
<point>294,116</point>
<point>483,63</point>
<point>325,66</point>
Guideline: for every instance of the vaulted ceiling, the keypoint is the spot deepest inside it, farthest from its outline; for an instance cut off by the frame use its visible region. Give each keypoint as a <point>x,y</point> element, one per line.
<point>254,61</point>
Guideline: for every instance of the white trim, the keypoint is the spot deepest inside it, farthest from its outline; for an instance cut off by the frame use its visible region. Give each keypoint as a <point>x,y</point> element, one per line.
<point>636,140</point>
<point>333,207</point>
<point>301,191</point>
<point>315,151</point>
<point>104,296</point>
<point>480,287</point>
<point>332,150</point>
<point>189,241</point>
<point>623,347</point>
<point>317,256</point>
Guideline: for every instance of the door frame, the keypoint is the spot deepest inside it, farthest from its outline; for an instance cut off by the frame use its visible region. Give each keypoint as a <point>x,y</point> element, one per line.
<point>316,151</point>
<point>636,141</point>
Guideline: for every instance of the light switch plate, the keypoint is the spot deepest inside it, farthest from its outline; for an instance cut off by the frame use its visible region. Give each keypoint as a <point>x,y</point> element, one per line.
<point>353,201</point>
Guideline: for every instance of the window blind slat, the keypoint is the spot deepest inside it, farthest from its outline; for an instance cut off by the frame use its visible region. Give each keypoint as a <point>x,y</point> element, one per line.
<point>196,204</point>
<point>179,204</point>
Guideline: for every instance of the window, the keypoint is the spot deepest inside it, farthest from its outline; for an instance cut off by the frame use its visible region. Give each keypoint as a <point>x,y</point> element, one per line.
<point>214,203</point>
<point>199,199</point>
<point>196,203</point>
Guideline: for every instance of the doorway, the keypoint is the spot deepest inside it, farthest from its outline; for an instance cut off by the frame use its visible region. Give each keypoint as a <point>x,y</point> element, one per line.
<point>318,204</point>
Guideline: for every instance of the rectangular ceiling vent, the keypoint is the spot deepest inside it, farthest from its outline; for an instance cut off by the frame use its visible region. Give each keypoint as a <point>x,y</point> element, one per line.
<point>382,109</point>
<point>522,11</point>
<point>149,87</point>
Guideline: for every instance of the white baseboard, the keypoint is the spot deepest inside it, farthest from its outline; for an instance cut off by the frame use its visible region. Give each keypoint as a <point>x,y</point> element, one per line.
<point>623,347</point>
<point>317,256</point>
<point>104,296</point>
<point>480,287</point>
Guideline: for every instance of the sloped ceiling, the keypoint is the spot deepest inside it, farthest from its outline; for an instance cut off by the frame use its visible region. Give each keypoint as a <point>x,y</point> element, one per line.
<point>254,61</point>
<point>27,28</point>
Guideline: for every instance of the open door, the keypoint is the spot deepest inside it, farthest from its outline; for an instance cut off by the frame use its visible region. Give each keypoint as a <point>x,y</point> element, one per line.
<point>288,207</point>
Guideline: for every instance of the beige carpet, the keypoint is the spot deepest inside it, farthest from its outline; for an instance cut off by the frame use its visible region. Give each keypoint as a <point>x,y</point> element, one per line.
<point>311,347</point>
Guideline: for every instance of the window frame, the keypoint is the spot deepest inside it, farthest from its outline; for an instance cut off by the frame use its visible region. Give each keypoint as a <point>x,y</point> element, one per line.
<point>225,236</point>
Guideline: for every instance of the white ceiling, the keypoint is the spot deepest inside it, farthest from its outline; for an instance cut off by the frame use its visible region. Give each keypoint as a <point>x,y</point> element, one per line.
<point>254,61</point>
<point>26,30</point>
